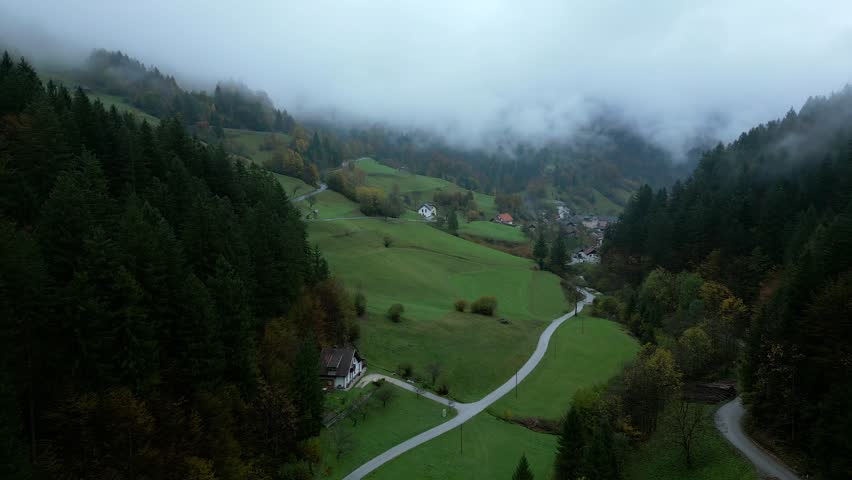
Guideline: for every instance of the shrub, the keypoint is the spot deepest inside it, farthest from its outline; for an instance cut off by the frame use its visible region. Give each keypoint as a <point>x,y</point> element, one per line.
<point>443,389</point>
<point>395,312</point>
<point>484,306</point>
<point>360,303</point>
<point>405,370</point>
<point>353,331</point>
<point>387,240</point>
<point>461,305</point>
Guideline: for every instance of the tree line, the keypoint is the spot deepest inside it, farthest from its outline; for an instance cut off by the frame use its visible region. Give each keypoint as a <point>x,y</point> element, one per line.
<point>766,223</point>
<point>161,311</point>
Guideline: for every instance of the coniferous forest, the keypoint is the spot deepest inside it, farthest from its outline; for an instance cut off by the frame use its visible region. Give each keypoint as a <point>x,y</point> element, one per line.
<point>766,221</point>
<point>161,311</point>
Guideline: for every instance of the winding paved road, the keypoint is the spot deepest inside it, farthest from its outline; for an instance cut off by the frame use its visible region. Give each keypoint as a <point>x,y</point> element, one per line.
<point>467,411</point>
<point>322,187</point>
<point>729,421</point>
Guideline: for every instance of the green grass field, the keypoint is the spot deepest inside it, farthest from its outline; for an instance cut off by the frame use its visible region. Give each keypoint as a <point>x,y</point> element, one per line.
<point>492,446</point>
<point>715,458</point>
<point>492,449</point>
<point>405,416</point>
<point>331,204</point>
<point>573,360</point>
<point>293,187</point>
<point>247,143</point>
<point>122,106</point>
<point>418,188</point>
<point>493,231</point>
<point>426,270</point>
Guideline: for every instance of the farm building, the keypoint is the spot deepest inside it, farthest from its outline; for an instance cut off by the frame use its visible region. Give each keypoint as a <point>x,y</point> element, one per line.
<point>503,218</point>
<point>427,210</point>
<point>339,367</point>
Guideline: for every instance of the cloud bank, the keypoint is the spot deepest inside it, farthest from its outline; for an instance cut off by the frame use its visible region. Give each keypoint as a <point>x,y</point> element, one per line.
<point>478,69</point>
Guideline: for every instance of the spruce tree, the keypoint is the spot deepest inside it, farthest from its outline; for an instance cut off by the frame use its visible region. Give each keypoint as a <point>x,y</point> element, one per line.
<point>453,222</point>
<point>523,472</point>
<point>558,255</point>
<point>570,447</point>
<point>540,249</point>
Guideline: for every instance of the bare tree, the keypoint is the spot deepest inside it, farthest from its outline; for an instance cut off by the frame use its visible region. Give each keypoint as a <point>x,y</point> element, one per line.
<point>385,394</point>
<point>359,407</point>
<point>435,369</point>
<point>341,440</point>
<point>687,423</point>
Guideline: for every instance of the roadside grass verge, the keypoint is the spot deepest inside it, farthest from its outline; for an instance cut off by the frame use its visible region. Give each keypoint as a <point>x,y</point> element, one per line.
<point>385,426</point>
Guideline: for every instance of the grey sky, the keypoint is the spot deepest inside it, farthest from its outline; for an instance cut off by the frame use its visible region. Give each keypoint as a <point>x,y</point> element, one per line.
<point>469,69</point>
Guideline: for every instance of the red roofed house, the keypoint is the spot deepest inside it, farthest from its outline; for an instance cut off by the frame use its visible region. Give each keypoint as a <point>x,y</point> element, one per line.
<point>340,366</point>
<point>503,218</point>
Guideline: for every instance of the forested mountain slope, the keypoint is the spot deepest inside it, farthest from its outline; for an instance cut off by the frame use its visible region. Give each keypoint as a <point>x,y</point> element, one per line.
<point>160,308</point>
<point>770,217</point>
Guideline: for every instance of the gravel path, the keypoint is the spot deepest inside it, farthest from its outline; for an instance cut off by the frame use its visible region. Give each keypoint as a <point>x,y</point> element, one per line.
<point>467,411</point>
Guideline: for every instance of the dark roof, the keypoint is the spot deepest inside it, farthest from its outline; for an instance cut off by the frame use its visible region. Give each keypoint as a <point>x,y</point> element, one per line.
<point>339,359</point>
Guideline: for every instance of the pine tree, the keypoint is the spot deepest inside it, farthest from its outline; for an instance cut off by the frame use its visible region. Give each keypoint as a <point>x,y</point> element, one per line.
<point>453,222</point>
<point>540,249</point>
<point>523,472</point>
<point>570,447</point>
<point>558,255</point>
<point>307,394</point>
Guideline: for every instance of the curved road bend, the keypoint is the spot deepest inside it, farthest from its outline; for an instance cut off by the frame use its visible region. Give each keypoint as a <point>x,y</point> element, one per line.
<point>729,422</point>
<point>469,410</point>
<point>322,187</point>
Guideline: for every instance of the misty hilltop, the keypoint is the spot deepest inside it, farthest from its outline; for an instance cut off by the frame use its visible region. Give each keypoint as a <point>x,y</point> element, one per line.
<point>472,72</point>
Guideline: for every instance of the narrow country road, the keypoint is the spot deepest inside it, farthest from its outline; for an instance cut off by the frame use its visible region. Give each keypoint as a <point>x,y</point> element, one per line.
<point>729,422</point>
<point>469,410</point>
<point>322,187</point>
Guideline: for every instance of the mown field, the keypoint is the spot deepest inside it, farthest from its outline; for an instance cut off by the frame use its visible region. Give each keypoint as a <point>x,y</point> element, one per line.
<point>385,426</point>
<point>418,188</point>
<point>492,231</point>
<point>582,352</point>
<point>426,270</point>
<point>492,446</point>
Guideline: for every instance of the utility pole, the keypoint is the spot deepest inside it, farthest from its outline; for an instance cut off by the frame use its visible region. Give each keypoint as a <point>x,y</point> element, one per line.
<point>516,384</point>
<point>461,439</point>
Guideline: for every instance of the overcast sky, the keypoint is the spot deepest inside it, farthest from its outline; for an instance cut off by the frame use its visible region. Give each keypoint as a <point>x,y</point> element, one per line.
<point>472,68</point>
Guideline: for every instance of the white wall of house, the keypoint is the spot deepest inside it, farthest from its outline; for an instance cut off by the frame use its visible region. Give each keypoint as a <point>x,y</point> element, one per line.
<point>427,212</point>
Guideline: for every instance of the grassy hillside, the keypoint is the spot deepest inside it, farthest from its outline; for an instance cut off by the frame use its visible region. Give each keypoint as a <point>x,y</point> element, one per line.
<point>576,357</point>
<point>660,459</point>
<point>293,187</point>
<point>385,426</point>
<point>418,188</point>
<point>248,143</point>
<point>119,103</point>
<point>492,446</point>
<point>426,270</point>
<point>492,231</point>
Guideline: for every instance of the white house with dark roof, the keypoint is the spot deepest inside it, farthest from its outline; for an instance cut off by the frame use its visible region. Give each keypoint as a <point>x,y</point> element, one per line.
<point>427,210</point>
<point>339,367</point>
